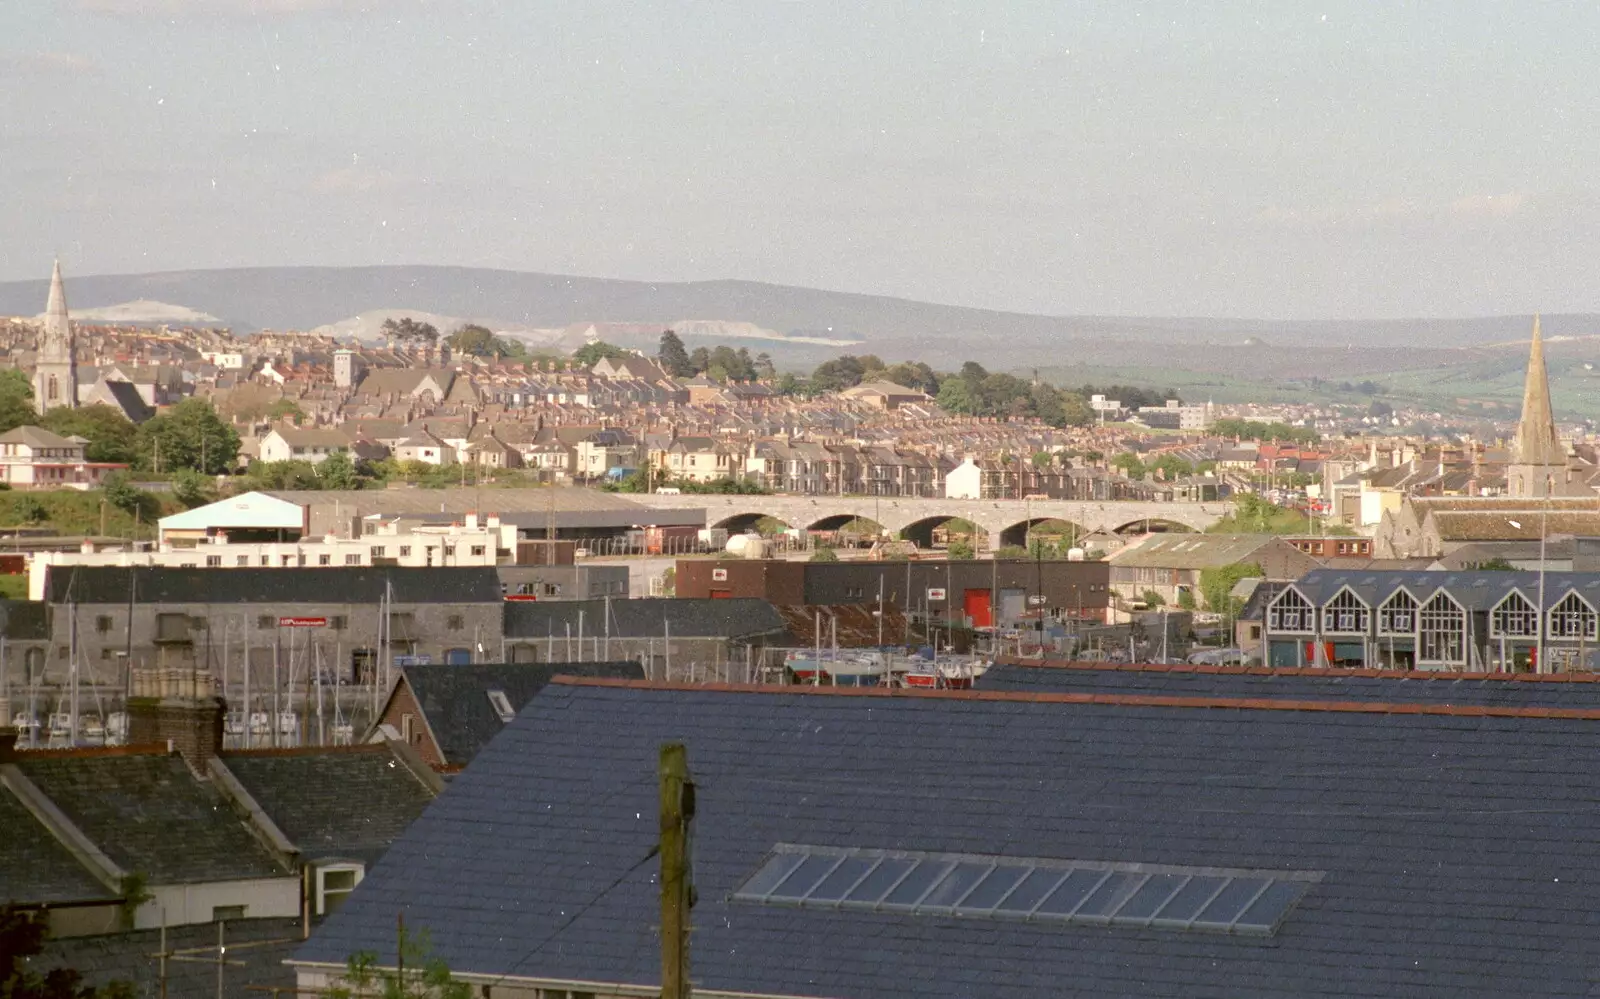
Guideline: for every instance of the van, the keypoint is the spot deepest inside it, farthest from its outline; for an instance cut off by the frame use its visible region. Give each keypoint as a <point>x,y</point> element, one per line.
<point>668,491</point>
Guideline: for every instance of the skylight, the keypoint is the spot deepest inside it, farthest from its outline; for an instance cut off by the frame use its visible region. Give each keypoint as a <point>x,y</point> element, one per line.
<point>1081,893</point>
<point>502,705</point>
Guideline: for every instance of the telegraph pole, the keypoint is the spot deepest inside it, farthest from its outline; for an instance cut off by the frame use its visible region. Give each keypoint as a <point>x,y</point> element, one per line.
<point>677,892</point>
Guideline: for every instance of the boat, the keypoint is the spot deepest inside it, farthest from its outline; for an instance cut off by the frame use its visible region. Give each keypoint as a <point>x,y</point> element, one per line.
<point>288,723</point>
<point>259,724</point>
<point>91,730</point>
<point>857,669</point>
<point>117,728</point>
<point>233,724</point>
<point>60,728</point>
<point>26,725</point>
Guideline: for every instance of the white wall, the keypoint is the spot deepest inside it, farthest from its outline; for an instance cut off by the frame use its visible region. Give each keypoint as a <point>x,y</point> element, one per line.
<point>965,481</point>
<point>262,898</point>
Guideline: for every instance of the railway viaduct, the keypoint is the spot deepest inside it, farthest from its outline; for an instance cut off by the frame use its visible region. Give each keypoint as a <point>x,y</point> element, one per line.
<point>1006,521</point>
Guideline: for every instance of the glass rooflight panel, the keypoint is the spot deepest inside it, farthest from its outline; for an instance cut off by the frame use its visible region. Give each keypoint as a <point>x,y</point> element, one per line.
<point>1188,902</point>
<point>1105,900</point>
<point>806,876</point>
<point>1230,903</point>
<point>1143,904</point>
<point>875,885</point>
<point>1073,891</point>
<point>954,887</point>
<point>994,888</point>
<point>771,874</point>
<point>1036,887</point>
<point>1269,908</point>
<point>916,884</point>
<point>838,883</point>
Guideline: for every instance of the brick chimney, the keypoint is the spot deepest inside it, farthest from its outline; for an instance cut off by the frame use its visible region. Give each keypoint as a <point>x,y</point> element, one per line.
<point>177,706</point>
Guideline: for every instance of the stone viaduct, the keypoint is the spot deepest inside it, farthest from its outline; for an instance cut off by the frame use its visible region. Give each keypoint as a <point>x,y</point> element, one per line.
<point>1006,521</point>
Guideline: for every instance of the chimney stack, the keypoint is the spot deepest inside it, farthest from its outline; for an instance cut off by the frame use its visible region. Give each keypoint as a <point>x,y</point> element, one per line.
<point>177,706</point>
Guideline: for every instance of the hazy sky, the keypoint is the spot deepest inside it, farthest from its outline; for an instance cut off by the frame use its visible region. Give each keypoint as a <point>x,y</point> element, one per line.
<point>1275,158</point>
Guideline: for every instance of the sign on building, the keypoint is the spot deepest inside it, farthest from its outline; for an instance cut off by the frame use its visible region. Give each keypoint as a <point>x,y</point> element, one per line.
<point>302,622</point>
<point>719,575</point>
<point>936,593</point>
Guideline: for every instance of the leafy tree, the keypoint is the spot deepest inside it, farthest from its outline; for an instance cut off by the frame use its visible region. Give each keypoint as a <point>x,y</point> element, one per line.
<point>425,976</point>
<point>22,938</point>
<point>192,488</point>
<point>765,369</point>
<point>26,509</point>
<point>959,551</point>
<point>337,471</point>
<point>1496,564</point>
<point>1171,466</point>
<point>121,493</point>
<point>700,360</point>
<point>189,435</point>
<point>1216,585</point>
<point>1153,598</point>
<point>1129,463</point>
<point>824,554</point>
<point>472,339</point>
<point>282,475</point>
<point>673,357</point>
<point>1043,459</point>
<point>840,373</point>
<point>110,434</point>
<point>16,400</point>
<point>409,331</point>
<point>590,354</point>
<point>1186,598</point>
<point>285,409</point>
<point>1094,457</point>
<point>914,374</point>
<point>957,396</point>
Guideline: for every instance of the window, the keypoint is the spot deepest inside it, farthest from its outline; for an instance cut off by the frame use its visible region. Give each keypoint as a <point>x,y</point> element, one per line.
<point>1398,615</point>
<point>551,589</point>
<point>266,621</point>
<point>1290,612</point>
<point>172,627</point>
<point>1572,618</point>
<point>103,623</point>
<point>454,622</point>
<point>241,560</point>
<point>266,560</point>
<point>227,913</point>
<point>1514,617</point>
<point>377,551</point>
<point>324,559</point>
<point>1440,635</point>
<point>405,551</point>
<point>449,551</point>
<point>352,559</point>
<point>477,550</point>
<point>213,561</point>
<point>501,705</point>
<point>1139,896</point>
<point>1345,613</point>
<point>335,882</point>
<point>338,622</point>
<point>408,725</point>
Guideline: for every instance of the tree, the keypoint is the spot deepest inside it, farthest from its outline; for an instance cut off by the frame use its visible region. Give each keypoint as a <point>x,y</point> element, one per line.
<point>192,488</point>
<point>590,354</point>
<point>110,435</point>
<point>1216,586</point>
<point>337,471</point>
<point>765,369</point>
<point>424,976</point>
<point>26,509</point>
<point>959,551</point>
<point>824,554</point>
<point>189,435</point>
<point>840,373</point>
<point>957,396</point>
<point>121,493</point>
<point>409,331</point>
<point>700,360</point>
<point>16,400</point>
<point>1496,564</point>
<point>1153,598</point>
<point>22,937</point>
<point>673,357</point>
<point>472,339</point>
<point>1130,464</point>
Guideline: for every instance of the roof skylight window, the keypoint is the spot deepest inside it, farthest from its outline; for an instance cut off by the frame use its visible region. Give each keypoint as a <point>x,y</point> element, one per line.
<point>1083,893</point>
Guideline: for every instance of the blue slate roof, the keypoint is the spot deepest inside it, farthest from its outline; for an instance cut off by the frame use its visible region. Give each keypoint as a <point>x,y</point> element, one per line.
<point>1457,850</point>
<point>1480,590</point>
<point>1577,690</point>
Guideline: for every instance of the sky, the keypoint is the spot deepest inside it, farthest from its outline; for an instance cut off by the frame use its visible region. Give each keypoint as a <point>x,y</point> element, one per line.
<point>1274,159</point>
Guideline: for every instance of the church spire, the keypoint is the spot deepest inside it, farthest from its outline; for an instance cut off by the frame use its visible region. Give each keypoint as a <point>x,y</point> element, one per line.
<point>1537,442</point>
<point>55,369</point>
<point>57,326</point>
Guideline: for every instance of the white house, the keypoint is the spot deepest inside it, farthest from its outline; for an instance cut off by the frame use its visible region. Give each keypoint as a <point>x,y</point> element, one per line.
<point>965,481</point>
<point>303,444</point>
<point>427,448</point>
<point>35,458</point>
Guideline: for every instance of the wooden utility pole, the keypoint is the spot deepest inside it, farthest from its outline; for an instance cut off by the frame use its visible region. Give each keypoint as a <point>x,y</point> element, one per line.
<point>677,891</point>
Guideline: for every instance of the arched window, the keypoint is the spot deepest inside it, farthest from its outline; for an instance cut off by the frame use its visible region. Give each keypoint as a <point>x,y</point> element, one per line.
<point>52,389</point>
<point>1442,624</point>
<point>1290,612</point>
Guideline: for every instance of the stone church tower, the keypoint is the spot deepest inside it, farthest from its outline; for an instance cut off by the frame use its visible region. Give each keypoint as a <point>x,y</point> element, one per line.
<point>55,370</point>
<point>1538,458</point>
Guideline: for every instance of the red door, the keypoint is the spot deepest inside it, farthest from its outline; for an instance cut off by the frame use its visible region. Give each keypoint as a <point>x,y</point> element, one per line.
<point>978,608</point>
<point>721,594</point>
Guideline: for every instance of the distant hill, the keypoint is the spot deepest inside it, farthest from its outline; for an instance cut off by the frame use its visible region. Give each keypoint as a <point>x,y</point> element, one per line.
<point>749,313</point>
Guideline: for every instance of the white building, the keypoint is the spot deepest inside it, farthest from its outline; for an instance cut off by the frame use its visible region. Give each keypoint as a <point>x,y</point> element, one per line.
<point>312,444</point>
<point>35,458</point>
<point>965,481</point>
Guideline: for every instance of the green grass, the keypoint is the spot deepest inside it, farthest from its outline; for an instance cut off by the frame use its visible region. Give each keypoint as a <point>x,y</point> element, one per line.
<point>72,512</point>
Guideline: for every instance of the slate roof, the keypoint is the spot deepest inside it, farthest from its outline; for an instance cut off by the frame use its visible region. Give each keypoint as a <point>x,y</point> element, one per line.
<point>351,802</point>
<point>1559,690</point>
<point>328,585</point>
<point>1479,590</point>
<point>34,866</point>
<point>148,813</point>
<point>455,699</point>
<point>262,944</point>
<point>1456,848</point>
<point>1192,551</point>
<point>24,620</point>
<point>734,618</point>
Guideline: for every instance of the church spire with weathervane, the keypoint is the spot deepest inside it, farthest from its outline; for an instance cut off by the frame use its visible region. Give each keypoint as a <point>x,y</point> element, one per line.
<point>55,370</point>
<point>1538,458</point>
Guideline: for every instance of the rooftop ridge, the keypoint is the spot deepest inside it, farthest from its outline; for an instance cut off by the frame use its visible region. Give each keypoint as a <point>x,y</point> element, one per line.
<point>1110,700</point>
<point>1329,671</point>
<point>24,754</point>
<point>360,747</point>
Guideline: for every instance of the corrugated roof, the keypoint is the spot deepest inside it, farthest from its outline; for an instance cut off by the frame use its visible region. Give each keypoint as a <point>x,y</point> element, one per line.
<point>683,617</point>
<point>256,510</point>
<point>337,584</point>
<point>1191,551</point>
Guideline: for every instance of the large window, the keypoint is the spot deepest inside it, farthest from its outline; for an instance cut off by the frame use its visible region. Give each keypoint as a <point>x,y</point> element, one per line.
<point>1572,618</point>
<point>335,882</point>
<point>1345,613</point>
<point>1514,617</point>
<point>1398,615</point>
<point>1291,612</point>
<point>1442,633</point>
